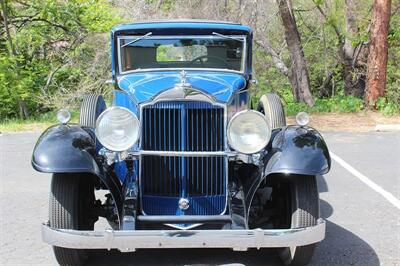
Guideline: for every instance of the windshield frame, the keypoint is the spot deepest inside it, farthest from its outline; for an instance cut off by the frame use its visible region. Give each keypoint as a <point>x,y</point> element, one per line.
<point>243,39</point>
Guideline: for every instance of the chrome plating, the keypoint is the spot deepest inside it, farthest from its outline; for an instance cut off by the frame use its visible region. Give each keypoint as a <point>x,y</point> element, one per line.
<point>183,204</point>
<point>235,239</point>
<point>141,152</point>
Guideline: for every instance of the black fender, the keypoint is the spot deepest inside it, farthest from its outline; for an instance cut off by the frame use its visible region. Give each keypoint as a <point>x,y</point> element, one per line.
<point>292,150</point>
<point>71,149</point>
<point>65,149</point>
<point>297,150</point>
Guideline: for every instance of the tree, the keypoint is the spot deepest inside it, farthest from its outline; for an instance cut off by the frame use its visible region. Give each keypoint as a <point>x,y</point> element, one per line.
<point>351,58</point>
<point>55,52</point>
<point>299,74</point>
<point>378,52</point>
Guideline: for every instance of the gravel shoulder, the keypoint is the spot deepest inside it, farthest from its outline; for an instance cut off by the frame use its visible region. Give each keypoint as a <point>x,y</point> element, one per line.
<point>329,122</point>
<point>349,122</point>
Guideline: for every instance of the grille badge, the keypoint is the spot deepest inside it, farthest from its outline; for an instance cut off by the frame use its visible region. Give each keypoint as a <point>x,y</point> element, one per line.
<point>183,204</point>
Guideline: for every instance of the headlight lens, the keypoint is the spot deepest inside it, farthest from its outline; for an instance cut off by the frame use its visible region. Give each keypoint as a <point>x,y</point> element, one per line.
<point>248,132</point>
<point>117,128</point>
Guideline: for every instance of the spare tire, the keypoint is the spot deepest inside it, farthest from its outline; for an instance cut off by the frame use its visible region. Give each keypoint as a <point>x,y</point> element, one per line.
<point>271,106</point>
<point>92,106</point>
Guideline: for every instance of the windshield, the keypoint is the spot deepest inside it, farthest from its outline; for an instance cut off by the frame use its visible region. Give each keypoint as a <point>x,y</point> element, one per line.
<point>181,52</point>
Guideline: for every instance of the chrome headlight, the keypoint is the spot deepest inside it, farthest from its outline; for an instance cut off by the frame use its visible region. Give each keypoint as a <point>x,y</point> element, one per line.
<point>117,128</point>
<point>248,132</point>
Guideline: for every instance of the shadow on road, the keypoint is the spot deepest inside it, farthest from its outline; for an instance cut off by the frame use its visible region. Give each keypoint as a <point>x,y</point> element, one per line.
<point>340,247</point>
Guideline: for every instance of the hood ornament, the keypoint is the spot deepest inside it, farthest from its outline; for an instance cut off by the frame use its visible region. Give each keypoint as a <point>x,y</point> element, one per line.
<point>184,83</point>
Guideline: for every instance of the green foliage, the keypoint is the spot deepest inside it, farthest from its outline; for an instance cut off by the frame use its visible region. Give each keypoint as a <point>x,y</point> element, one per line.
<point>61,51</point>
<point>390,105</point>
<point>53,48</point>
<point>387,107</point>
<point>37,122</point>
<point>341,104</point>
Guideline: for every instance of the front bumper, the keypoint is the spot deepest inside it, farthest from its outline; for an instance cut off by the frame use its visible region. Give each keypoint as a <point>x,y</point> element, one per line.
<point>128,241</point>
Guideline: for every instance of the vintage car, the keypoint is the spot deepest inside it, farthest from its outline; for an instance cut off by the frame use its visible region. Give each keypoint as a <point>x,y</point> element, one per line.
<point>183,159</point>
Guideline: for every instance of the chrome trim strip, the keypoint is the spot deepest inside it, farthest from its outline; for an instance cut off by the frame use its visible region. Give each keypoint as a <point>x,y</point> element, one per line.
<point>184,153</point>
<point>236,239</point>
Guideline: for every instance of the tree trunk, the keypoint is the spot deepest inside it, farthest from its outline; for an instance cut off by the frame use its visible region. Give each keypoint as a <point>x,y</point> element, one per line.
<point>23,108</point>
<point>353,74</point>
<point>378,52</point>
<point>347,48</point>
<point>299,75</point>
<point>6,28</point>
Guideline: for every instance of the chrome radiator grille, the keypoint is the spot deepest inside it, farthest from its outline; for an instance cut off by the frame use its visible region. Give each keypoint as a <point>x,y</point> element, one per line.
<point>183,126</point>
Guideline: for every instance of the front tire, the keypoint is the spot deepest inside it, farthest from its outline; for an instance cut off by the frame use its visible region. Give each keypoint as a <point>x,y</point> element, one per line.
<point>71,199</point>
<point>302,211</point>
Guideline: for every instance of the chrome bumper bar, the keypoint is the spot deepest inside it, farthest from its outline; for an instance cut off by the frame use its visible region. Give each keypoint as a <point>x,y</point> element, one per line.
<point>128,241</point>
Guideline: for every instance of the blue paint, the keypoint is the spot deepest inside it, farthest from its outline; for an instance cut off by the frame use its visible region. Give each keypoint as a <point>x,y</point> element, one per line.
<point>172,26</point>
<point>144,86</point>
<point>122,99</point>
<point>189,27</point>
<point>205,189</point>
<point>120,170</point>
<point>113,74</point>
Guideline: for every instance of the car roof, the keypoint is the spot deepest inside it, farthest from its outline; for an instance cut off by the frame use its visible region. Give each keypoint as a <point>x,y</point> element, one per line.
<point>188,24</point>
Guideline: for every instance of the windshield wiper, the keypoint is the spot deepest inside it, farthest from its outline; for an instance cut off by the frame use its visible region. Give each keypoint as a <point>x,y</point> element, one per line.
<point>137,39</point>
<point>227,37</point>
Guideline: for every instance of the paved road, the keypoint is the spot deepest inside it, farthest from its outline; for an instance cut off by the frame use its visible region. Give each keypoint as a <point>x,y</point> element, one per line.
<point>363,228</point>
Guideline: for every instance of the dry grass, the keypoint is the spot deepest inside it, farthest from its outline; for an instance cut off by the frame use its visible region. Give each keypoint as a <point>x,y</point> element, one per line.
<point>345,122</point>
<point>348,122</point>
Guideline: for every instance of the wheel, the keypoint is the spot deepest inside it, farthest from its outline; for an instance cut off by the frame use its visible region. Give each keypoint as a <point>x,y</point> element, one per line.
<point>271,106</point>
<point>71,201</point>
<point>302,211</point>
<point>92,106</point>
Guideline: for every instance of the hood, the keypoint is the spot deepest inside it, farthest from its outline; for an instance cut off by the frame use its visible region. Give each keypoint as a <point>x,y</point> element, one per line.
<point>143,86</point>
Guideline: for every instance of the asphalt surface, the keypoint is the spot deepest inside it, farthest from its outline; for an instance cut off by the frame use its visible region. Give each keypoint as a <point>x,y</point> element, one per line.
<point>363,228</point>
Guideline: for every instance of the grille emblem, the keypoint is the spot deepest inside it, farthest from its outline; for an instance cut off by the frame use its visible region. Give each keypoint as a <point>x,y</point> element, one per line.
<point>183,204</point>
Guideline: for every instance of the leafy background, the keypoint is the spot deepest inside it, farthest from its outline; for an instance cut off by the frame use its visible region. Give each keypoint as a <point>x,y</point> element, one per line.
<point>61,49</point>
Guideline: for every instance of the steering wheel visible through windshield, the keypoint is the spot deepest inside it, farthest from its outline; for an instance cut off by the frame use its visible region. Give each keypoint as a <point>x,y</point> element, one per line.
<point>168,52</point>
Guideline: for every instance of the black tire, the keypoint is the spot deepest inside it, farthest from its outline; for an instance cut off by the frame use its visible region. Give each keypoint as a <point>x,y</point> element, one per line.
<point>271,106</point>
<point>92,106</point>
<point>70,204</point>
<point>302,212</point>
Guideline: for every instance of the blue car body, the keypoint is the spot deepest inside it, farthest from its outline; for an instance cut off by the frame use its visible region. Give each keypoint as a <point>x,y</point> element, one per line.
<point>168,167</point>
